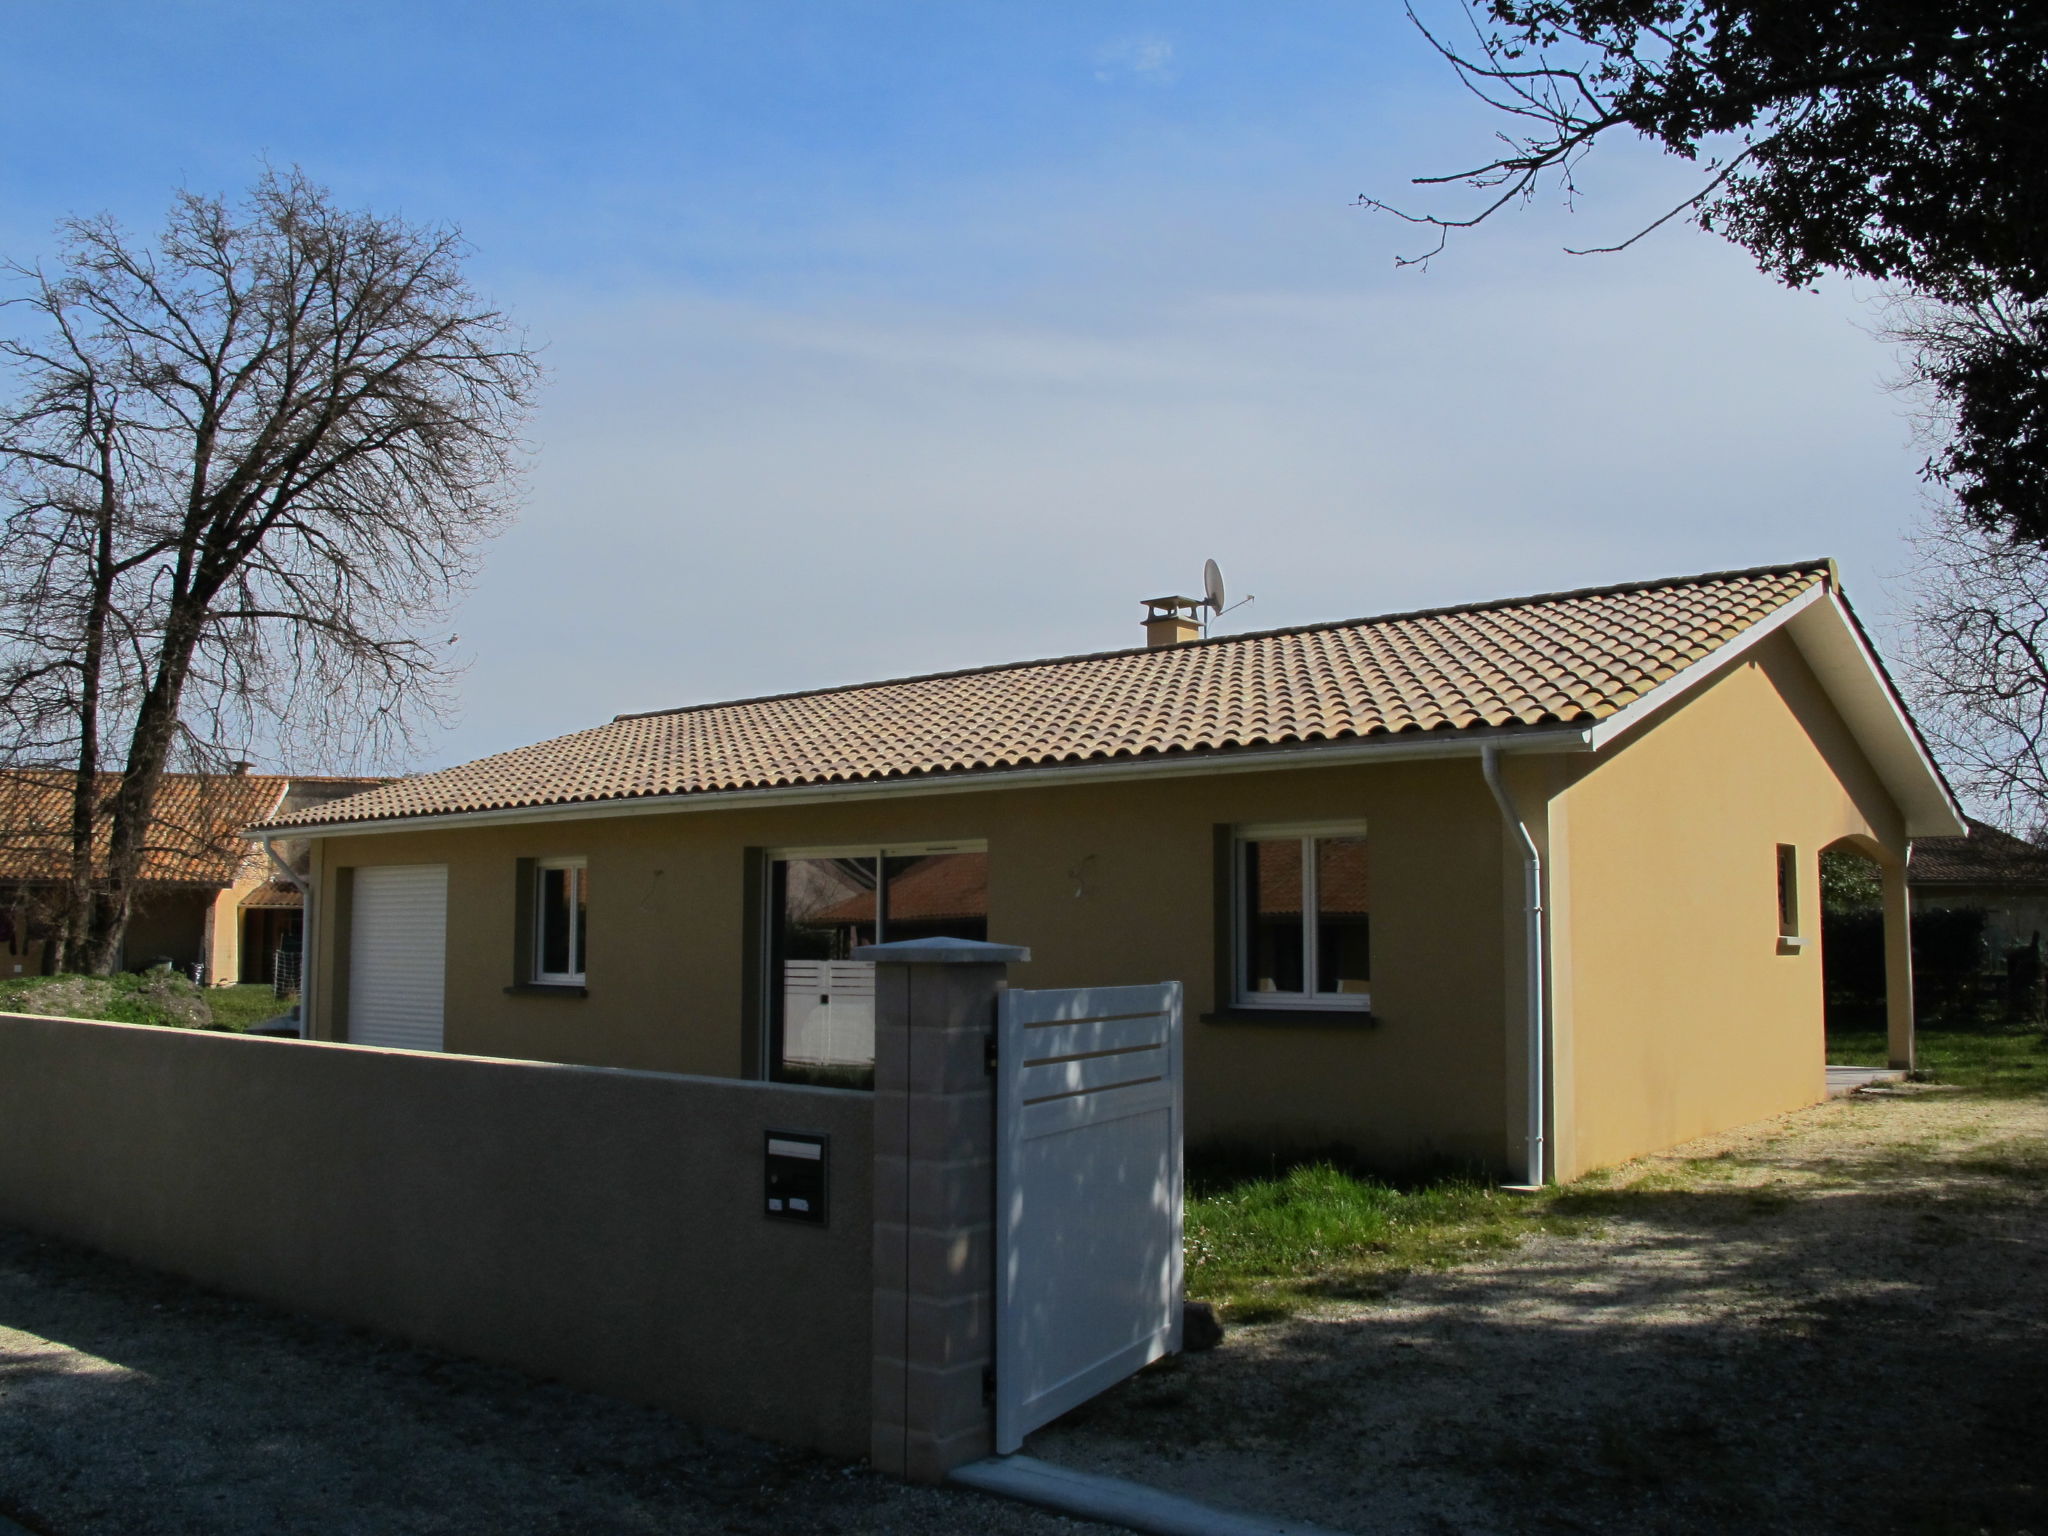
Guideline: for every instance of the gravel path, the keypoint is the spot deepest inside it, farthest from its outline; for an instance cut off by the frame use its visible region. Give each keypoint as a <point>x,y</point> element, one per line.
<point>136,1405</point>
<point>1834,1321</point>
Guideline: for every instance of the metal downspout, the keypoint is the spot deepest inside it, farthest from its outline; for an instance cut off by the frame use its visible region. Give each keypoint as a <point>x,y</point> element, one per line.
<point>305,937</point>
<point>1532,870</point>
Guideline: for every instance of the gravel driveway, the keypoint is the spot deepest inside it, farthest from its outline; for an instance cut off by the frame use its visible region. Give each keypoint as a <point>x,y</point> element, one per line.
<point>1834,1321</point>
<point>135,1405</point>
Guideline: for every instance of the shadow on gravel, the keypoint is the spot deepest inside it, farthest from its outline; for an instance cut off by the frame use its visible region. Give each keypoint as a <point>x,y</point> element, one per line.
<point>1713,1361</point>
<point>134,1404</point>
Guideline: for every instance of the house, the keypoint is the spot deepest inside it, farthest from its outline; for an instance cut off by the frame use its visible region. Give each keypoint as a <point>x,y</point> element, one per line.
<point>1986,871</point>
<point>208,904</point>
<point>1980,914</point>
<point>1531,885</point>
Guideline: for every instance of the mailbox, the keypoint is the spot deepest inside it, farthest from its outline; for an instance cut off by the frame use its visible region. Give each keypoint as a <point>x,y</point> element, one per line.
<point>797,1174</point>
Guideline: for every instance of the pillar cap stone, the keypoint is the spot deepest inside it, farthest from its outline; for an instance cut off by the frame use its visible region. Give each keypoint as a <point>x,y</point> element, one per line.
<point>942,952</point>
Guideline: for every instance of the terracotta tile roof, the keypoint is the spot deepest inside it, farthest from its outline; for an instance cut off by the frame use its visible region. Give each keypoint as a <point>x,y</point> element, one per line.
<point>1986,857</point>
<point>273,894</point>
<point>1560,659</point>
<point>935,888</point>
<point>196,838</point>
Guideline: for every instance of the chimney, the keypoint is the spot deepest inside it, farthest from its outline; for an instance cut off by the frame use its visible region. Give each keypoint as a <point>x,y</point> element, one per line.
<point>240,767</point>
<point>1171,621</point>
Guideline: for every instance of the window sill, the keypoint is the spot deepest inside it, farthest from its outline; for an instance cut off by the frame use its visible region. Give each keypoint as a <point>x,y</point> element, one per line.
<point>1791,944</point>
<point>1297,1018</point>
<point>546,989</point>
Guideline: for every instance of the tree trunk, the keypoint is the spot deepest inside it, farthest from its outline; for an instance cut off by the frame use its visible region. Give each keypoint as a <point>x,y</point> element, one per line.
<point>134,807</point>
<point>77,925</point>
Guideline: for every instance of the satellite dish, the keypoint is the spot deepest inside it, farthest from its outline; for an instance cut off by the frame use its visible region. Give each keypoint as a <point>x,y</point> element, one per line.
<point>1212,586</point>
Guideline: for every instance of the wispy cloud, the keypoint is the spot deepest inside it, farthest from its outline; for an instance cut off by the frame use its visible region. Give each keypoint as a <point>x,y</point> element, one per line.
<point>1144,58</point>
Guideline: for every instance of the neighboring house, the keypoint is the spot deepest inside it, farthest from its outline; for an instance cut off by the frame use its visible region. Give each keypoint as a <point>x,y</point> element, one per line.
<point>1529,885</point>
<point>207,902</point>
<point>1987,871</point>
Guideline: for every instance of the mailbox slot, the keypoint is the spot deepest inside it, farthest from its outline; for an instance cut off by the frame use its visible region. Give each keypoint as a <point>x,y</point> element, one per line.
<point>798,1168</point>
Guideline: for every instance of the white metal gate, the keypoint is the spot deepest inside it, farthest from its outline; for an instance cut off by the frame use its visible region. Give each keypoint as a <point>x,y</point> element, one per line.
<point>397,955</point>
<point>1088,1195</point>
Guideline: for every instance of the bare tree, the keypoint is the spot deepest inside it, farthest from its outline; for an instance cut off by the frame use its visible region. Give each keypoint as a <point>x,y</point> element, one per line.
<point>1978,666</point>
<point>248,465</point>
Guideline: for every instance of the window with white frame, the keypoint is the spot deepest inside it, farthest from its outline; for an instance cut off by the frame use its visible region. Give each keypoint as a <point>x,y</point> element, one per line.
<point>1304,917</point>
<point>561,892</point>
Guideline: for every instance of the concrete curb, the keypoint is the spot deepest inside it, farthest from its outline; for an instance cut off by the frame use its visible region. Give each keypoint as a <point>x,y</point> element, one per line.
<point>1117,1502</point>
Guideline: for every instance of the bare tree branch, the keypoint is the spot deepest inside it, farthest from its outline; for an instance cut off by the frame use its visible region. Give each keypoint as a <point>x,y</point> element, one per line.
<point>247,465</point>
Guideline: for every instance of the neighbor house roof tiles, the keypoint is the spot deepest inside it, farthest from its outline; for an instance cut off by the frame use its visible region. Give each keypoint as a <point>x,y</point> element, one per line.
<point>1986,857</point>
<point>195,838</point>
<point>1571,658</point>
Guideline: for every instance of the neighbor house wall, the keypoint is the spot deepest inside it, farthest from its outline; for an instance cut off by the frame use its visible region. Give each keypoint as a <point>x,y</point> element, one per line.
<point>600,1227</point>
<point>2013,915</point>
<point>1106,883</point>
<point>1676,1010</point>
<point>168,923</point>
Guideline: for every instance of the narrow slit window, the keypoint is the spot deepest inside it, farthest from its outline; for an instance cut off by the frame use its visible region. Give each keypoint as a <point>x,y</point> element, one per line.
<point>560,908</point>
<point>1788,891</point>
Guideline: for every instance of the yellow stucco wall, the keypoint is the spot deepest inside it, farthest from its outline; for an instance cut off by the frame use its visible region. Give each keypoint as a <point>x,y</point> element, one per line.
<point>1107,883</point>
<point>1676,1011</point>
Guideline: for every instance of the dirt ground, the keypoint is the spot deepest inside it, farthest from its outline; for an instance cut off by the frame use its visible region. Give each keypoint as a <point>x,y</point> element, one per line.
<point>136,1405</point>
<point>1834,1321</point>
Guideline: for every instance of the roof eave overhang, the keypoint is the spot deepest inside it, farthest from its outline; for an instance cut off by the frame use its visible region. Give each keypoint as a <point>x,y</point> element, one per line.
<point>1821,624</point>
<point>1329,754</point>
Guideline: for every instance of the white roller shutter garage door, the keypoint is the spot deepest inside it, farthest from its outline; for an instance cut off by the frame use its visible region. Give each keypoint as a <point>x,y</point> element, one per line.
<point>398,938</point>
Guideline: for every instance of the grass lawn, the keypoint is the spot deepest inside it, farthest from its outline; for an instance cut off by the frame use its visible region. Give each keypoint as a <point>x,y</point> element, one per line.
<point>237,1008</point>
<point>2004,1061</point>
<point>155,997</point>
<point>1263,1244</point>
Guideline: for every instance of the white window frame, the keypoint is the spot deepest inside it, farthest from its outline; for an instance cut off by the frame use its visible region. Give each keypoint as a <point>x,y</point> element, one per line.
<point>546,978</point>
<point>1241,919</point>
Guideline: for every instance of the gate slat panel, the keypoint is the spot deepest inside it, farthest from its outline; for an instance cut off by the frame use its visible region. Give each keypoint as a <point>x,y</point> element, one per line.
<point>1060,1004</point>
<point>1044,1041</point>
<point>1088,1188</point>
<point>1058,1078</point>
<point>1056,1115</point>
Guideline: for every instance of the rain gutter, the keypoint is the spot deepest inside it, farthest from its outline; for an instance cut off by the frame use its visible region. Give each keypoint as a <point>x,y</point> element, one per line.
<point>1533,969</point>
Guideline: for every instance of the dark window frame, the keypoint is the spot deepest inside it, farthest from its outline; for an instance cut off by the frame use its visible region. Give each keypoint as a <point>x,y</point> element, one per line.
<point>763,893</point>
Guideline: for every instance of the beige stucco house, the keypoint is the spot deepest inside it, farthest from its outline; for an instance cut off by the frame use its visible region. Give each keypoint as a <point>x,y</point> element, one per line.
<point>208,904</point>
<point>1531,885</point>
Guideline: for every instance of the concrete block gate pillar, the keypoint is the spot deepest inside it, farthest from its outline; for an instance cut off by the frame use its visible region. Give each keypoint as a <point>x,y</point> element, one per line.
<point>934,1318</point>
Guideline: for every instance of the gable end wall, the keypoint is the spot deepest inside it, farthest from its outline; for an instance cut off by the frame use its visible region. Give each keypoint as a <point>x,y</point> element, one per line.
<point>1678,1012</point>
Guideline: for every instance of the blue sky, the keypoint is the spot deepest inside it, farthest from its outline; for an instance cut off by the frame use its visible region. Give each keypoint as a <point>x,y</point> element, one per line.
<point>894,337</point>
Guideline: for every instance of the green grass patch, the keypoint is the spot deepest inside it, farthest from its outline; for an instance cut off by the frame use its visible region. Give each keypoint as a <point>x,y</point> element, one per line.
<point>2008,1060</point>
<point>161,997</point>
<point>237,1008</point>
<point>1261,1247</point>
<point>1858,1048</point>
<point>2006,1063</point>
<point>1266,1237</point>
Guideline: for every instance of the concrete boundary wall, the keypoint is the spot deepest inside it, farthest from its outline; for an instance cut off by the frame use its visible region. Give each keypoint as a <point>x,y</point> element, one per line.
<point>596,1226</point>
